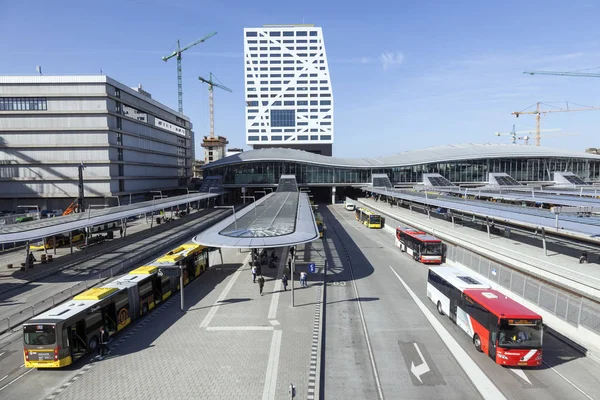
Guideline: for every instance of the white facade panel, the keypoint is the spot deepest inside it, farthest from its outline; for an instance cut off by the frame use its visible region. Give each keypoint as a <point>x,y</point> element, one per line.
<point>138,156</point>
<point>287,84</point>
<point>29,156</point>
<point>143,170</point>
<point>144,184</point>
<point>147,144</point>
<point>66,139</point>
<point>36,122</point>
<point>54,189</point>
<point>75,104</point>
<point>53,172</point>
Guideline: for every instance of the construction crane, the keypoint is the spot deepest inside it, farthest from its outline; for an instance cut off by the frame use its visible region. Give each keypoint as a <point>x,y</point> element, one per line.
<point>513,133</point>
<point>538,113</point>
<point>211,110</point>
<point>178,54</point>
<point>574,73</point>
<point>526,138</point>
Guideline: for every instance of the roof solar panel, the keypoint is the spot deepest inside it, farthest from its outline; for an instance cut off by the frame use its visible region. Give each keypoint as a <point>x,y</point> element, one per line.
<point>507,181</point>
<point>439,181</point>
<point>575,180</point>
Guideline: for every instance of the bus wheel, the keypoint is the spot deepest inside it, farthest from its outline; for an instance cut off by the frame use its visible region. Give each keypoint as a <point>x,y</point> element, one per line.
<point>477,342</point>
<point>439,308</point>
<point>144,309</point>
<point>93,343</point>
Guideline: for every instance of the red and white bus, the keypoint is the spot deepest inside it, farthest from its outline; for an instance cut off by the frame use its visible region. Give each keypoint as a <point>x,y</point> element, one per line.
<point>419,245</point>
<point>508,332</point>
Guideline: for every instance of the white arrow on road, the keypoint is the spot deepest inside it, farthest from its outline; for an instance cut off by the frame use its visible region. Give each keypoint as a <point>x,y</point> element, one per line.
<point>420,369</point>
<point>521,374</point>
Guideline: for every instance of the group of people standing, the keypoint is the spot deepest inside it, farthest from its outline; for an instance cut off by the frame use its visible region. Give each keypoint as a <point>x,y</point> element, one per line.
<point>257,273</point>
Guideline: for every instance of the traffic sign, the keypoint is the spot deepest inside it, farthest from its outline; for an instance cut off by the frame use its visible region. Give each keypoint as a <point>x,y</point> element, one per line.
<point>311,268</point>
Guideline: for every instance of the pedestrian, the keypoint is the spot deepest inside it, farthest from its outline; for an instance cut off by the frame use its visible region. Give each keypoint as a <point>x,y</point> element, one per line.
<point>284,280</point>
<point>254,274</point>
<point>121,231</point>
<point>103,345</point>
<point>303,279</point>
<point>261,284</point>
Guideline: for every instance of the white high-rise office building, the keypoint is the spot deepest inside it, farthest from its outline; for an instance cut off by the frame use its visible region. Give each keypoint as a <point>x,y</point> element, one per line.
<point>289,100</point>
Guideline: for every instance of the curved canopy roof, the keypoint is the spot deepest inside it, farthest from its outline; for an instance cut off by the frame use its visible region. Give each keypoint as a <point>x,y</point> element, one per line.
<point>413,157</point>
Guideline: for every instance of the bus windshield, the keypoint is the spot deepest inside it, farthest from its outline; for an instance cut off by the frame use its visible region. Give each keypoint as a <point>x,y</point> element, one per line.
<point>39,334</point>
<point>514,334</point>
<point>374,219</point>
<point>431,249</point>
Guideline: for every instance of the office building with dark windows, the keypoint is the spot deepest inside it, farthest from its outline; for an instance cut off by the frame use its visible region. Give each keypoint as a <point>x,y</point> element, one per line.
<point>289,98</point>
<point>128,142</point>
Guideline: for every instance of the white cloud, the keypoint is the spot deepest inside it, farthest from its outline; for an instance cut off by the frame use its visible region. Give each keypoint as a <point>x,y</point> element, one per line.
<point>391,60</point>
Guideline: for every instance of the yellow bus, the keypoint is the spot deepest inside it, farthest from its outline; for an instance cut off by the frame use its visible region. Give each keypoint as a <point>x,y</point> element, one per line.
<point>65,333</point>
<point>368,218</point>
<point>320,225</point>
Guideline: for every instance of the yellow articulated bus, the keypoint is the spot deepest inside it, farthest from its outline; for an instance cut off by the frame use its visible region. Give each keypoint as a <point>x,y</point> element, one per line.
<point>368,218</point>
<point>65,333</point>
<point>61,240</point>
<point>320,225</point>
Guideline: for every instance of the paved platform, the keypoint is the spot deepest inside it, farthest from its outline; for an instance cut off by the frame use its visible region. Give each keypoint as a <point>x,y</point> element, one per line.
<point>524,252</point>
<point>230,343</point>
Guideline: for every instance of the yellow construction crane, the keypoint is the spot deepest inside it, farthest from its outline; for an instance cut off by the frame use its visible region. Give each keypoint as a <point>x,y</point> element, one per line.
<point>538,113</point>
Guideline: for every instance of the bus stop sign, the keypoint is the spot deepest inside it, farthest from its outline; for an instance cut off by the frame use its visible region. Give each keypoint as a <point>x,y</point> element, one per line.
<point>311,268</point>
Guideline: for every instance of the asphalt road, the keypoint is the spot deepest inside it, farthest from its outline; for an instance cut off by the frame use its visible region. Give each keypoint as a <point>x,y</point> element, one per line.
<point>395,324</point>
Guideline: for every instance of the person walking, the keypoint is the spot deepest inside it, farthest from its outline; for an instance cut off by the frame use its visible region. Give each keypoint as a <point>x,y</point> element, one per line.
<point>261,284</point>
<point>121,232</point>
<point>303,279</point>
<point>254,274</point>
<point>284,281</point>
<point>103,345</point>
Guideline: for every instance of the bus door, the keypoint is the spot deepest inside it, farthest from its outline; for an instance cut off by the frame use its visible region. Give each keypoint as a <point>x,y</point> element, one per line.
<point>77,339</point>
<point>109,316</point>
<point>453,307</point>
<point>493,328</point>
<point>157,289</point>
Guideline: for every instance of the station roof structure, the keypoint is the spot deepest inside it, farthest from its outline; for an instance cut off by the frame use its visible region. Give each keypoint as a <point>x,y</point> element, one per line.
<point>435,154</point>
<point>48,227</point>
<point>565,224</point>
<point>282,218</point>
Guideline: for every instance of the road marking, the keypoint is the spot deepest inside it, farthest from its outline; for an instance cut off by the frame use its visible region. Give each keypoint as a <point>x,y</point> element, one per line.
<point>420,369</point>
<point>6,376</point>
<point>275,296</point>
<point>16,379</point>
<point>521,374</point>
<point>364,325</point>
<point>2,353</point>
<point>22,366</point>
<point>565,378</point>
<point>213,310</point>
<point>271,374</point>
<point>240,328</point>
<point>484,385</point>
<point>274,322</point>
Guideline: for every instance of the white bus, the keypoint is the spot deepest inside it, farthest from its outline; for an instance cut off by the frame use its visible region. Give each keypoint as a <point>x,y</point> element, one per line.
<point>349,206</point>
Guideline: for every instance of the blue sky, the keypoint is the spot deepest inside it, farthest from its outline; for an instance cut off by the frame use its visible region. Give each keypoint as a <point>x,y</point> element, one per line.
<point>405,75</point>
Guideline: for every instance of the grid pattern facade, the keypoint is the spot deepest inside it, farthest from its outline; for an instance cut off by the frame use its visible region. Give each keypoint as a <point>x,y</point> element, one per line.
<point>288,90</point>
<point>128,142</point>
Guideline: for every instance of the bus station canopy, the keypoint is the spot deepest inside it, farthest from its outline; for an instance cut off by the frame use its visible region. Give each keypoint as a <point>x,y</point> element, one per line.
<point>49,227</point>
<point>283,218</point>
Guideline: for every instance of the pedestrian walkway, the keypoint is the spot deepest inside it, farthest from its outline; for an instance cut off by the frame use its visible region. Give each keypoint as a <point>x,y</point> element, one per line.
<point>524,253</point>
<point>231,343</point>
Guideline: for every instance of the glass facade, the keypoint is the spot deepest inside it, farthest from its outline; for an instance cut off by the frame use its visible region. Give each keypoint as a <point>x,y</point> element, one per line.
<point>467,171</point>
<point>283,118</point>
<point>23,104</point>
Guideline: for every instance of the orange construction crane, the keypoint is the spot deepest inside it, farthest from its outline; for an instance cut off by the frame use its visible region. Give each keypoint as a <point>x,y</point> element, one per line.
<point>538,113</point>
<point>71,207</point>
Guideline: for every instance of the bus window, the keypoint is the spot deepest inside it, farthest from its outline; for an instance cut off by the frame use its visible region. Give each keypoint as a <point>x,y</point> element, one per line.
<point>375,219</point>
<point>525,334</point>
<point>431,249</point>
<point>39,334</point>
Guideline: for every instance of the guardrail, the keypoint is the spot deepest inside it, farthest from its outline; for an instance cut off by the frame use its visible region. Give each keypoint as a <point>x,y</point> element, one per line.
<point>16,319</point>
